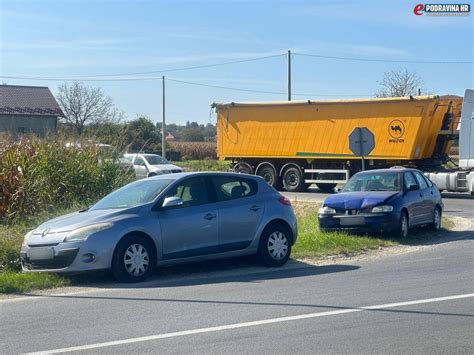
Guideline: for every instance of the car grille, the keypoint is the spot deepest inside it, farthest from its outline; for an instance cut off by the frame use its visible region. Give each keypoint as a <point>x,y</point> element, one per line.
<point>60,261</point>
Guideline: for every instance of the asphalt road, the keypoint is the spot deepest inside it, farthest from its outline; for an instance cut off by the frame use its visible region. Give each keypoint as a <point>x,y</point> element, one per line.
<point>416,302</point>
<point>455,204</point>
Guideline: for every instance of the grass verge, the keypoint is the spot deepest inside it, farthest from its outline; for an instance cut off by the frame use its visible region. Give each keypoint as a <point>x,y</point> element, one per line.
<point>313,243</point>
<point>15,282</point>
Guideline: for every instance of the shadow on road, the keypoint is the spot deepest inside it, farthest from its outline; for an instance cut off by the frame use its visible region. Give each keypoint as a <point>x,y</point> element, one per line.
<point>213,272</point>
<point>423,237</point>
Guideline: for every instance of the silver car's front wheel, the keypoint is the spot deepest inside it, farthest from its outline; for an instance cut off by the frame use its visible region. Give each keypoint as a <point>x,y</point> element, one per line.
<point>133,259</point>
<point>275,245</point>
<point>136,260</point>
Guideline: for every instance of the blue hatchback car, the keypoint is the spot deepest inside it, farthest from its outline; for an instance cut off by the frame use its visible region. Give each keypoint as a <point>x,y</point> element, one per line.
<point>391,200</point>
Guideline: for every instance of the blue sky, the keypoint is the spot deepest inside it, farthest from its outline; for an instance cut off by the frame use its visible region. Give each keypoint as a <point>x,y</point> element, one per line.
<point>67,38</point>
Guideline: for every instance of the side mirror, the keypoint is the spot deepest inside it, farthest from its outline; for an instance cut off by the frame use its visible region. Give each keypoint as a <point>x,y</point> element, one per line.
<point>413,187</point>
<point>172,202</point>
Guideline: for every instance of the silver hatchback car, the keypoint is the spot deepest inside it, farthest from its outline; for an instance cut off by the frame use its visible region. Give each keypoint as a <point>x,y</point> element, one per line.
<point>167,219</point>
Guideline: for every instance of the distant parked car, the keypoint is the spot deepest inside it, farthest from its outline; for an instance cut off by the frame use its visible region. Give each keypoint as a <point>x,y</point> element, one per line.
<point>165,220</point>
<point>147,165</point>
<point>383,200</point>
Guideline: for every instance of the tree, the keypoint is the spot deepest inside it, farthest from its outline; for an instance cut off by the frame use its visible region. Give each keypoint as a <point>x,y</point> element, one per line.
<point>397,83</point>
<point>143,135</point>
<point>192,135</point>
<point>83,105</point>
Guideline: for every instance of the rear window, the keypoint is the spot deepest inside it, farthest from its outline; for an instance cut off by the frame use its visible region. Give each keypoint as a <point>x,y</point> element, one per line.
<point>231,188</point>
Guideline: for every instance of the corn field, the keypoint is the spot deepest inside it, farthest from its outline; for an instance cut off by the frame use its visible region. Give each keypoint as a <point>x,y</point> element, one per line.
<point>195,150</point>
<point>37,175</point>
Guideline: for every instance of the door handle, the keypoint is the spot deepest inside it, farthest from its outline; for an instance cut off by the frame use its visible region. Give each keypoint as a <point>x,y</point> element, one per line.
<point>421,195</point>
<point>255,208</point>
<point>210,216</point>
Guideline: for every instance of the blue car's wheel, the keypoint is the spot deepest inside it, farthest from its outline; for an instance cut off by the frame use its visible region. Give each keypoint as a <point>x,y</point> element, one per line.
<point>403,225</point>
<point>436,225</point>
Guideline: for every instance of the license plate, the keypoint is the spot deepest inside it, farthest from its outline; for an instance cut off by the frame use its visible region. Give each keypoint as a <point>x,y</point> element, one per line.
<point>41,253</point>
<point>352,221</point>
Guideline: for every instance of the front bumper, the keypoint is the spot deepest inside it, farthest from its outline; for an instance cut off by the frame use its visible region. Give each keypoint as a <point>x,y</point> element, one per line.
<point>367,222</point>
<point>65,257</point>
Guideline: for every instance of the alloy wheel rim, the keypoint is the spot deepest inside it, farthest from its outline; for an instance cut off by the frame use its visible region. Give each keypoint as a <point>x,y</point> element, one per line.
<point>136,260</point>
<point>277,245</point>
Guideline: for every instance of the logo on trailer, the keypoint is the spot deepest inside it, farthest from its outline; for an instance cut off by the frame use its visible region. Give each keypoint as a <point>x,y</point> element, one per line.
<point>46,231</point>
<point>396,130</point>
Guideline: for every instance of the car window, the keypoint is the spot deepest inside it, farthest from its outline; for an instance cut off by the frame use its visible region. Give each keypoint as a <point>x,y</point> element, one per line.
<point>230,188</point>
<point>428,181</point>
<point>421,180</point>
<point>139,161</point>
<point>192,191</point>
<point>134,194</point>
<point>409,180</point>
<point>373,181</point>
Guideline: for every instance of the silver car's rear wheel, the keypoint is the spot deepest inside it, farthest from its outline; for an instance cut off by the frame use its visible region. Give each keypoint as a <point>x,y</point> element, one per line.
<point>275,245</point>
<point>136,260</point>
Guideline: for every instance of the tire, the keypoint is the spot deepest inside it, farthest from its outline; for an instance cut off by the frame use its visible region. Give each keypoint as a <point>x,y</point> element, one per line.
<point>403,225</point>
<point>124,269</point>
<point>326,187</point>
<point>243,168</point>
<point>293,180</point>
<point>275,245</point>
<point>270,176</point>
<point>436,224</point>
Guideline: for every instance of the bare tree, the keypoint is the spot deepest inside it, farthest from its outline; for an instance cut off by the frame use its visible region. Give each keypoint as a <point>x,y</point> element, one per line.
<point>83,105</point>
<point>399,83</point>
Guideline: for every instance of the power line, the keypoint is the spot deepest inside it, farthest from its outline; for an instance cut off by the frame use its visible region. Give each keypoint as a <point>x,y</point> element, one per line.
<point>89,77</point>
<point>382,60</point>
<point>257,91</point>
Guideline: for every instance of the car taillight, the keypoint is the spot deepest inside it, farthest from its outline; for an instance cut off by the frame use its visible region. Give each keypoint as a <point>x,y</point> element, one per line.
<point>284,201</point>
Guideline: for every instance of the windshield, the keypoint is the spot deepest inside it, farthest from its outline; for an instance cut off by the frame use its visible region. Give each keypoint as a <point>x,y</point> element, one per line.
<point>155,159</point>
<point>131,195</point>
<point>373,182</point>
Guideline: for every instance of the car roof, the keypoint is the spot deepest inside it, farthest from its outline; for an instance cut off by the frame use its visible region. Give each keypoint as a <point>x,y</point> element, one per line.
<point>177,176</point>
<point>389,170</point>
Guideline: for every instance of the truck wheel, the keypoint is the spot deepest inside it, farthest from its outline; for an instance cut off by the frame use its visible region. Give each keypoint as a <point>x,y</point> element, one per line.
<point>326,187</point>
<point>270,176</point>
<point>243,168</point>
<point>293,180</point>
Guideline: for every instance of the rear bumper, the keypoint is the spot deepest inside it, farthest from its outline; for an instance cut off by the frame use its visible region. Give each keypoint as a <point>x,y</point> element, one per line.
<point>363,223</point>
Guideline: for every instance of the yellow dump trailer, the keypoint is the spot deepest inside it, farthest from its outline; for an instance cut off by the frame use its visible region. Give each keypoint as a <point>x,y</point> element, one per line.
<point>310,138</point>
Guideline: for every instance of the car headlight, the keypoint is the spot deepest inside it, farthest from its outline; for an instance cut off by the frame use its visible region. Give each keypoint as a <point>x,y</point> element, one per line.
<point>26,237</point>
<point>83,233</point>
<point>382,208</point>
<point>326,210</point>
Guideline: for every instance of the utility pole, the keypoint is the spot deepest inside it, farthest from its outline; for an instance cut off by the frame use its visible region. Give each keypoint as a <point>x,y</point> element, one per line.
<point>289,75</point>
<point>163,133</point>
